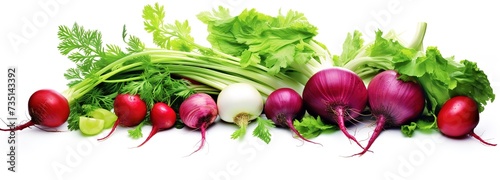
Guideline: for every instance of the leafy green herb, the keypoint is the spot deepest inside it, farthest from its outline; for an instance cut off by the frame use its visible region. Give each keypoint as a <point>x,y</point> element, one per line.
<point>240,132</point>
<point>311,127</point>
<point>423,125</point>
<point>136,133</point>
<point>262,129</point>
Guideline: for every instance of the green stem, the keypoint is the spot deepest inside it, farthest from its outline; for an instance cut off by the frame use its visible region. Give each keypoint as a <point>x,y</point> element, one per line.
<point>123,80</point>
<point>418,39</point>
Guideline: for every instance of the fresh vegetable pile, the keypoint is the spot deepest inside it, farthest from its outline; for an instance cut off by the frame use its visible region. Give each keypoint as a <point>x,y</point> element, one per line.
<point>268,69</point>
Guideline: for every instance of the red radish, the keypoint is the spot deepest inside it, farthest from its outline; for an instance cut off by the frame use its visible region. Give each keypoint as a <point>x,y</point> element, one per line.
<point>130,109</point>
<point>198,111</point>
<point>458,117</point>
<point>336,95</point>
<point>162,117</point>
<point>393,102</point>
<point>47,108</point>
<point>283,106</point>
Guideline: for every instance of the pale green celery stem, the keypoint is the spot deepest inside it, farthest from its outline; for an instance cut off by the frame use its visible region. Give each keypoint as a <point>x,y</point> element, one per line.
<point>358,62</point>
<point>232,60</point>
<point>313,66</point>
<point>204,88</point>
<point>261,77</point>
<point>327,61</point>
<point>86,85</point>
<point>215,76</point>
<point>299,77</point>
<point>258,69</point>
<point>417,42</point>
<point>367,74</point>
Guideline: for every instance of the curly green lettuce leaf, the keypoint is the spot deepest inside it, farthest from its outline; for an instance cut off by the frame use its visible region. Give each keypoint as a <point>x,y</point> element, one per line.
<point>424,125</point>
<point>440,77</point>
<point>276,42</point>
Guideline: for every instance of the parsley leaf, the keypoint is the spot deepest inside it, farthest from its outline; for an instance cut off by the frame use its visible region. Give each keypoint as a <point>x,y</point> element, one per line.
<point>239,133</point>
<point>422,125</point>
<point>262,129</point>
<point>311,127</point>
<point>136,133</point>
<point>168,36</point>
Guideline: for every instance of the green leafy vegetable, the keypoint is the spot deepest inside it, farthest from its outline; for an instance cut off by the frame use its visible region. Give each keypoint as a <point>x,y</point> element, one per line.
<point>136,132</point>
<point>311,127</point>
<point>280,43</point>
<point>156,74</point>
<point>240,132</point>
<point>440,77</point>
<point>268,52</point>
<point>422,125</point>
<point>262,129</point>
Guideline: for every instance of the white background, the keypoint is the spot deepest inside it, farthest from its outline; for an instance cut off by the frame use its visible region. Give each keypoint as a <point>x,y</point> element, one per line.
<point>466,29</point>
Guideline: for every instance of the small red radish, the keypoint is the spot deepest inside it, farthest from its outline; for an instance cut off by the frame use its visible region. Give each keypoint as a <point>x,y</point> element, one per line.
<point>458,117</point>
<point>283,106</point>
<point>162,117</point>
<point>393,102</point>
<point>130,110</point>
<point>198,111</point>
<point>47,108</point>
<point>337,95</point>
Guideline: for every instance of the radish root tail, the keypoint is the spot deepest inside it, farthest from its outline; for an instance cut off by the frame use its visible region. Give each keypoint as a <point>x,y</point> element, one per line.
<point>481,139</point>
<point>292,128</point>
<point>112,130</point>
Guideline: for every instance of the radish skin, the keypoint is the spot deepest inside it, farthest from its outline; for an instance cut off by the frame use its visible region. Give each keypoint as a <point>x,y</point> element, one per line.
<point>458,117</point>
<point>198,111</point>
<point>162,117</point>
<point>393,102</point>
<point>47,108</point>
<point>130,109</point>
<point>283,106</point>
<point>337,95</point>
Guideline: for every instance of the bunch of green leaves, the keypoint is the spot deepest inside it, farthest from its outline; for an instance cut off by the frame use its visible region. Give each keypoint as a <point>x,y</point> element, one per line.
<point>155,84</point>
<point>424,124</point>
<point>92,59</point>
<point>175,36</point>
<point>440,77</point>
<point>276,42</point>
<point>311,127</point>
<point>262,129</point>
<point>90,56</point>
<point>103,71</point>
